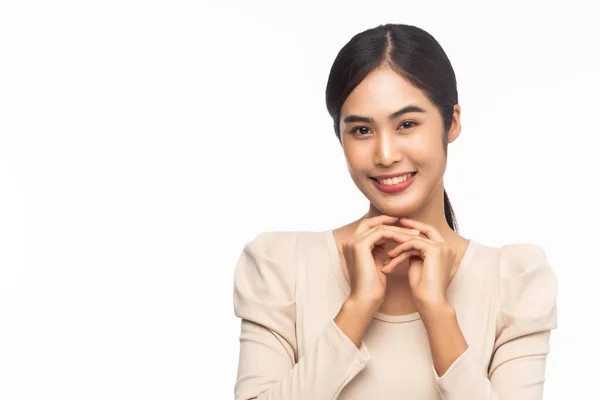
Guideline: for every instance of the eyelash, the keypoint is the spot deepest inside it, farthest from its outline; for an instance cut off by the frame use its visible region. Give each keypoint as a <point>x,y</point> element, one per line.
<point>353,131</point>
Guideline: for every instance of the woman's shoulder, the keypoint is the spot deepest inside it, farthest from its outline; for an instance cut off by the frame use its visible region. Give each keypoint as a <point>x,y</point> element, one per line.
<point>523,258</point>
<point>528,284</point>
<point>272,242</point>
<point>268,264</point>
<point>523,272</point>
<point>275,252</point>
<point>516,257</point>
<point>265,276</point>
<point>517,263</point>
<point>268,255</point>
<point>281,243</point>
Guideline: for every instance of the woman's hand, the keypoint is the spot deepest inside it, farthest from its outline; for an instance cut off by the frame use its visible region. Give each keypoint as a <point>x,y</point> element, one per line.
<point>365,258</point>
<point>430,272</point>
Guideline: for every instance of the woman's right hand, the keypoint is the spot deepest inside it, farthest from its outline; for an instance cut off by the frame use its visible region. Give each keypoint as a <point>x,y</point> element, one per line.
<point>364,256</point>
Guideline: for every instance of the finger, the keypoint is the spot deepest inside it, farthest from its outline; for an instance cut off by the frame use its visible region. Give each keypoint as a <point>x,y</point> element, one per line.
<point>414,275</point>
<point>405,247</point>
<point>417,243</point>
<point>399,229</point>
<point>379,234</point>
<point>427,229</point>
<point>369,223</point>
<point>409,253</point>
<point>408,231</point>
<point>396,250</point>
<point>394,262</point>
<point>384,233</point>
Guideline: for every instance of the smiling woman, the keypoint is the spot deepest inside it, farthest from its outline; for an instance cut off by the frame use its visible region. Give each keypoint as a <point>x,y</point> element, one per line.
<point>396,304</point>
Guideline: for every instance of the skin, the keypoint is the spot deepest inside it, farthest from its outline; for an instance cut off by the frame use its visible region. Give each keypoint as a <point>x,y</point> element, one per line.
<point>410,142</point>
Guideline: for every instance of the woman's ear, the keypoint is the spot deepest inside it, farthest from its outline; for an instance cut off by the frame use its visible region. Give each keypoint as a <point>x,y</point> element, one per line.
<point>455,128</point>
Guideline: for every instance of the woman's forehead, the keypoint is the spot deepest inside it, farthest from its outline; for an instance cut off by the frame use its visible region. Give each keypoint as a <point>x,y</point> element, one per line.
<point>382,93</point>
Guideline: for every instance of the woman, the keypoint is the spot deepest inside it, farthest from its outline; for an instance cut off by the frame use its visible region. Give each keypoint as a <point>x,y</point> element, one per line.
<point>394,305</point>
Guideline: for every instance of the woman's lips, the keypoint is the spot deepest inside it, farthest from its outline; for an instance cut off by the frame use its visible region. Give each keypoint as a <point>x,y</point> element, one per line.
<point>398,187</point>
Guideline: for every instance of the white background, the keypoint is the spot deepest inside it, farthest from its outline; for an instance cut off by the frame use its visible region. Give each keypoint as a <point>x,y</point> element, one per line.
<point>142,143</point>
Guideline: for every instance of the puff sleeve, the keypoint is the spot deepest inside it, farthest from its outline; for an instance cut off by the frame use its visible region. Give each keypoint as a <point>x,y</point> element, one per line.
<point>528,293</point>
<point>526,297</point>
<point>265,300</point>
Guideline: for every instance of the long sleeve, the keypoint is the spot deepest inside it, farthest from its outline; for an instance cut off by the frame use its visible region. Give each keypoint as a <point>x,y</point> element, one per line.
<point>264,299</point>
<point>527,294</point>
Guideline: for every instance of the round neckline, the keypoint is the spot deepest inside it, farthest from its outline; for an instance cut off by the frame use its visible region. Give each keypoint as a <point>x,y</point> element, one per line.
<point>397,318</point>
<point>336,265</point>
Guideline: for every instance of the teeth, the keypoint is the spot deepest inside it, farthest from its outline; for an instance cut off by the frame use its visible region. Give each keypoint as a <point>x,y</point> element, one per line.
<point>394,181</point>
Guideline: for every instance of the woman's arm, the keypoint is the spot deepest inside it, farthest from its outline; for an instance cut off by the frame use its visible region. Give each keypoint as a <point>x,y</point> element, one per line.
<point>527,294</point>
<point>264,299</point>
<point>446,340</point>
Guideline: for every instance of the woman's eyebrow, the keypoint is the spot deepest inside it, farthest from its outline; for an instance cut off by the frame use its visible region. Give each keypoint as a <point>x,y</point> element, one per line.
<point>396,114</point>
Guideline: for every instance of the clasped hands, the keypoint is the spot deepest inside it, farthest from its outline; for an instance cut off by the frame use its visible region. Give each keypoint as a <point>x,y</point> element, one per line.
<point>431,263</point>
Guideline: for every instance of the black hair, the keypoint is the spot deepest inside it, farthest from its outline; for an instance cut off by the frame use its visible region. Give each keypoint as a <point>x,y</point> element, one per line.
<point>412,53</point>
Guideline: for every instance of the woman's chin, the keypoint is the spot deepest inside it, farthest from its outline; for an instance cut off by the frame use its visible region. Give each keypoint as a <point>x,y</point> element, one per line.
<point>397,208</point>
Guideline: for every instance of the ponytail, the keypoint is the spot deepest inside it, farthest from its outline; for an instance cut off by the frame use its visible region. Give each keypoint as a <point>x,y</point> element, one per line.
<point>449,213</point>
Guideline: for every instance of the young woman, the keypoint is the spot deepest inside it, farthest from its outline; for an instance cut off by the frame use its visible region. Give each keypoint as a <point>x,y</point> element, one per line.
<point>394,305</point>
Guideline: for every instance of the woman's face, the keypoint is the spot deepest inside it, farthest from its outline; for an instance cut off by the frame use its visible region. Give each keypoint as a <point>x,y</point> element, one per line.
<point>375,144</point>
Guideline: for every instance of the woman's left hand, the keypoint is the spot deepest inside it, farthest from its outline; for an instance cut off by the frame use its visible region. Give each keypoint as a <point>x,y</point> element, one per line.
<point>430,274</point>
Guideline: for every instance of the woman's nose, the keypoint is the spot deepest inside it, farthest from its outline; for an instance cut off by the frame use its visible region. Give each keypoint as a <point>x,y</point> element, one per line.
<point>387,150</point>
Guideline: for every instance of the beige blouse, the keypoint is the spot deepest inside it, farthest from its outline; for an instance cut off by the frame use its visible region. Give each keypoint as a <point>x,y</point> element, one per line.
<point>289,285</point>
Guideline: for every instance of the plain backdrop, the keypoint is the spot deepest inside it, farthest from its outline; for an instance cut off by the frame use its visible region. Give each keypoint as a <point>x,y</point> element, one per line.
<point>143,143</point>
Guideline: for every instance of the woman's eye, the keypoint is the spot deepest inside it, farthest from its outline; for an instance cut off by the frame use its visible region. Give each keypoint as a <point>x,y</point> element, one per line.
<point>411,124</point>
<point>364,129</point>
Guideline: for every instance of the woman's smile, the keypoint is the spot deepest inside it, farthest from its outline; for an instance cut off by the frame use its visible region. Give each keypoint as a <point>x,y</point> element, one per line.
<point>395,185</point>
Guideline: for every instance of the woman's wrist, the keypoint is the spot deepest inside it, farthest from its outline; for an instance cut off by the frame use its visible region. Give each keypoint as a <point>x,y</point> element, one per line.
<point>354,318</point>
